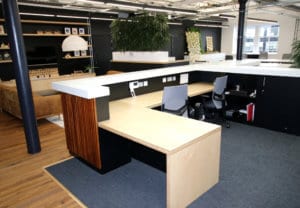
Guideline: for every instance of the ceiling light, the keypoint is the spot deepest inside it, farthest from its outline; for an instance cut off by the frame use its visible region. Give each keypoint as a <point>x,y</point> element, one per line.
<point>208,25</point>
<point>71,17</point>
<point>186,13</point>
<point>37,14</point>
<point>103,19</point>
<point>157,10</point>
<point>227,16</point>
<point>107,11</point>
<point>261,20</point>
<point>90,2</point>
<point>174,23</point>
<point>124,6</point>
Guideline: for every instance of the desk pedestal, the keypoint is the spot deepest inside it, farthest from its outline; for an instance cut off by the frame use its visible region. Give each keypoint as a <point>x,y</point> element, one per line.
<point>193,170</point>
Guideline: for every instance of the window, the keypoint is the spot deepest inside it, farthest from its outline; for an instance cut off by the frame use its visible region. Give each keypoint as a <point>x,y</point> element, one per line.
<point>259,38</point>
<point>268,38</point>
<point>249,40</point>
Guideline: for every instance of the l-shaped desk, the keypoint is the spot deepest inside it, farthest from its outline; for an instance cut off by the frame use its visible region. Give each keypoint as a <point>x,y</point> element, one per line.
<point>192,148</point>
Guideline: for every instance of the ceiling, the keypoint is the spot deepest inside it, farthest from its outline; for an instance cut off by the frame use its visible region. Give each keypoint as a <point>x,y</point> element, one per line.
<point>176,9</point>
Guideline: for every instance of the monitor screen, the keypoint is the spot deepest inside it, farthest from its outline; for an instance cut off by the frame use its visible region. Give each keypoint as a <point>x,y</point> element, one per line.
<point>41,55</point>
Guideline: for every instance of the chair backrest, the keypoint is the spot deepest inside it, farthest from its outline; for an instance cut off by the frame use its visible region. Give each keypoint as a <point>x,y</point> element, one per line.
<point>219,90</point>
<point>263,55</point>
<point>286,56</point>
<point>174,97</point>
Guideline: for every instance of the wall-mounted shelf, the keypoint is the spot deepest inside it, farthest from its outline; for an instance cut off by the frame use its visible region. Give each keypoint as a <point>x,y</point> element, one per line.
<point>5,61</point>
<point>55,22</point>
<point>4,48</point>
<point>51,35</point>
<point>77,57</point>
<point>52,22</point>
<point>48,35</point>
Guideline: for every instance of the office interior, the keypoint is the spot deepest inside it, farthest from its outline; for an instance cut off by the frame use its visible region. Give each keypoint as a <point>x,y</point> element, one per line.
<point>275,98</point>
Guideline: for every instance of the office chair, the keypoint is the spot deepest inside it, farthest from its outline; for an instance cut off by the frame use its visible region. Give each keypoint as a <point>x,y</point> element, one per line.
<point>228,57</point>
<point>217,101</point>
<point>286,56</point>
<point>175,100</point>
<point>263,55</point>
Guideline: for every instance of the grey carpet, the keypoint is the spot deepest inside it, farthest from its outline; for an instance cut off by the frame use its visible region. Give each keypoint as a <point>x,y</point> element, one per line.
<point>259,169</point>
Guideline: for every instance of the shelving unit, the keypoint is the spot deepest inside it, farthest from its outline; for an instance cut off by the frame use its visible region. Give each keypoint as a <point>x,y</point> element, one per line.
<point>55,22</point>
<point>77,57</point>
<point>45,33</point>
<point>51,22</point>
<point>52,35</point>
<point>5,61</point>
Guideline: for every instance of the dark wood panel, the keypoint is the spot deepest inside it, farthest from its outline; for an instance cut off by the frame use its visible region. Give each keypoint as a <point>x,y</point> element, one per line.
<point>81,128</point>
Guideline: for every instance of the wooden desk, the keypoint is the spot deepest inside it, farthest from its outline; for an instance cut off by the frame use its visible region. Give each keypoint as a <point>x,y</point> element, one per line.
<point>192,147</point>
<point>152,100</point>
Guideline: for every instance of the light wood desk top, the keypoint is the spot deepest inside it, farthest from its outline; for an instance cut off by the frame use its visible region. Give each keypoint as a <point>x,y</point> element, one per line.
<point>153,99</point>
<point>133,119</point>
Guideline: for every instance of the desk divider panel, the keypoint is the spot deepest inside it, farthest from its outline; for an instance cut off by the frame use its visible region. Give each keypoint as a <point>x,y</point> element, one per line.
<point>121,90</point>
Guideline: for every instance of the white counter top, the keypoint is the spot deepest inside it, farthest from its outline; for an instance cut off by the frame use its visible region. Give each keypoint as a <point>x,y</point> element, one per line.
<point>95,87</point>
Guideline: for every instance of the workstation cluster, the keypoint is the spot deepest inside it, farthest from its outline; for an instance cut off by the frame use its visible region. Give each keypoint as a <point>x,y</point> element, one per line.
<point>104,123</point>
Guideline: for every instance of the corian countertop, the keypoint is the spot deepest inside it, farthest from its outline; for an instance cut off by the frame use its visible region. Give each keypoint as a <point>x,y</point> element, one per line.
<point>95,87</point>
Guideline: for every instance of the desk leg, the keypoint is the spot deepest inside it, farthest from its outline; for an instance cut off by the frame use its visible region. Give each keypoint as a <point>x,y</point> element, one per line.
<point>193,170</point>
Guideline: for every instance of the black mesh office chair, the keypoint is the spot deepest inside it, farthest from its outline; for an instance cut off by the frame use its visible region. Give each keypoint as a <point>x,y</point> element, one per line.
<point>216,104</point>
<point>175,100</point>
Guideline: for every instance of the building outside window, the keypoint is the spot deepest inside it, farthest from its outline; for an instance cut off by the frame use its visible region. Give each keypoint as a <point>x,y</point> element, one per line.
<point>261,38</point>
<point>268,38</point>
<point>249,40</point>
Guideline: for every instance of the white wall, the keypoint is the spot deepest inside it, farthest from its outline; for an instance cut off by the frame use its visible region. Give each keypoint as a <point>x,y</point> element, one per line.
<point>286,33</point>
<point>228,38</point>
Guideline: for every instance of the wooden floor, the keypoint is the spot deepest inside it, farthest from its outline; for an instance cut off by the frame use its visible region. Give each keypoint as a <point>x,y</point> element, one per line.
<point>23,182</point>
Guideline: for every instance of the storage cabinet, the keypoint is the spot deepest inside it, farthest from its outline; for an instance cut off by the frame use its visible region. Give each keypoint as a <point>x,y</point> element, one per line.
<point>278,104</point>
<point>276,101</point>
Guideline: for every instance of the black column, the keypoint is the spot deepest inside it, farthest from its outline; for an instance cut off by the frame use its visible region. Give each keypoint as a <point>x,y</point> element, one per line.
<point>240,38</point>
<point>16,42</point>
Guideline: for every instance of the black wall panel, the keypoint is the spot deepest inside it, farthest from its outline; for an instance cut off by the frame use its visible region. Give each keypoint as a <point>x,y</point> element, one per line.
<point>102,44</point>
<point>177,44</point>
<point>215,33</point>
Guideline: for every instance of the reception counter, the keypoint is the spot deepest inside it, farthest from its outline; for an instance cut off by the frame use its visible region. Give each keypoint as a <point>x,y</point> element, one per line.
<point>192,148</point>
<point>95,87</point>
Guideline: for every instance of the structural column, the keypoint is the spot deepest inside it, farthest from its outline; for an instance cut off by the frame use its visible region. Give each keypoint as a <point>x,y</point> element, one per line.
<point>241,24</point>
<point>17,49</point>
